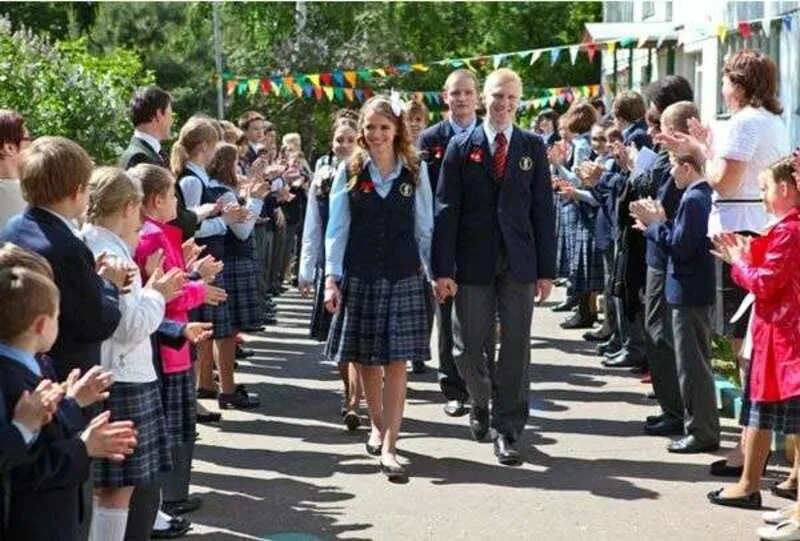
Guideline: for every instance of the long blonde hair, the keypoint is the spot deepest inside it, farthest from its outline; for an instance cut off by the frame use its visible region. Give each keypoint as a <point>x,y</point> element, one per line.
<point>402,142</point>
<point>110,190</point>
<point>196,131</point>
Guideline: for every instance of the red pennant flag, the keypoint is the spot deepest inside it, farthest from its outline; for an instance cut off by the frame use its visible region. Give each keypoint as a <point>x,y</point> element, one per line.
<point>745,30</point>
<point>391,70</point>
<point>326,79</point>
<point>368,93</point>
<point>266,86</point>
<point>591,49</point>
<point>318,92</point>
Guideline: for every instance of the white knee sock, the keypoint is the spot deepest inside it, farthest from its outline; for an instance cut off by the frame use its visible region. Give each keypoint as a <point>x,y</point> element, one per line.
<point>108,524</point>
<point>162,521</point>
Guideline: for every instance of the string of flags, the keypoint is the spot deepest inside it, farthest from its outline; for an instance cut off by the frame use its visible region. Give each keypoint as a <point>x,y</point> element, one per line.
<point>747,29</point>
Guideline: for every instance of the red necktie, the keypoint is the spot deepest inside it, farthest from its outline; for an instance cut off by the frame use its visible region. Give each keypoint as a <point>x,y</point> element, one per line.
<point>500,156</point>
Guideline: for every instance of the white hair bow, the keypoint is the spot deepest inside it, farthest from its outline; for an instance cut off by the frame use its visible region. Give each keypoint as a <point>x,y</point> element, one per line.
<point>396,102</point>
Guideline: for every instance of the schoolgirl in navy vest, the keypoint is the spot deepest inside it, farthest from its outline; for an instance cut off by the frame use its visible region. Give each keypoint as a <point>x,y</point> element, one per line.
<point>377,251</point>
<point>192,153</point>
<point>312,254</point>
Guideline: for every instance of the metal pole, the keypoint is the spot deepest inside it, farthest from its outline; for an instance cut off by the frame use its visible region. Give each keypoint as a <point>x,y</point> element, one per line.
<point>614,72</point>
<point>218,60</point>
<point>630,67</point>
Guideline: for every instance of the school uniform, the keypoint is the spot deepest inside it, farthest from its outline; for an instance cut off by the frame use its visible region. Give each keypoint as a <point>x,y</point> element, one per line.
<point>657,315</point>
<point>89,304</point>
<point>56,466</point>
<point>312,252</point>
<point>377,244</point>
<point>135,394</point>
<point>495,236</point>
<point>689,290</point>
<point>433,142</point>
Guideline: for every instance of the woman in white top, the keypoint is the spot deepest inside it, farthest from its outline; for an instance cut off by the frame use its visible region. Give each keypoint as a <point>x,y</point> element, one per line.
<point>14,138</point>
<point>112,228</point>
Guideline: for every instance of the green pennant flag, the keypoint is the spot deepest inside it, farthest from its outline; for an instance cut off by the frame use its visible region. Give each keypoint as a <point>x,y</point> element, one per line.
<point>338,92</point>
<point>241,88</point>
<point>364,75</point>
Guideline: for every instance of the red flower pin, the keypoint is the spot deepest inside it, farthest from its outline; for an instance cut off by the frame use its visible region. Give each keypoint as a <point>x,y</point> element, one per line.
<point>476,155</point>
<point>366,186</point>
<point>438,152</point>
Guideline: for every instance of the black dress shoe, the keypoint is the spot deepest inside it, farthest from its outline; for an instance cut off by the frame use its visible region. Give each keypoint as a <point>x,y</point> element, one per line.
<point>505,451</point>
<point>720,468</point>
<point>608,348</point>
<point>689,444</point>
<point>240,400</point>
<point>751,501</point>
<point>243,353</point>
<point>788,493</point>
<point>565,306</point>
<point>352,421</point>
<point>613,353</point>
<point>173,532</point>
<point>179,508</point>
<point>653,419</point>
<point>210,417</point>
<point>374,450</point>
<point>207,393</point>
<point>667,427</point>
<point>578,320</point>
<point>418,367</point>
<point>600,335</point>
<point>180,522</point>
<point>479,423</point>
<point>455,408</point>
<point>624,360</point>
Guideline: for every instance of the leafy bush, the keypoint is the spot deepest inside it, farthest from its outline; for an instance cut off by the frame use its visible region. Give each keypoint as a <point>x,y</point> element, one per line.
<point>61,89</point>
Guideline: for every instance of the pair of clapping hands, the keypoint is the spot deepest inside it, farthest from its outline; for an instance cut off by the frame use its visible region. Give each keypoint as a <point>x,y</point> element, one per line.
<point>647,211</point>
<point>102,438</point>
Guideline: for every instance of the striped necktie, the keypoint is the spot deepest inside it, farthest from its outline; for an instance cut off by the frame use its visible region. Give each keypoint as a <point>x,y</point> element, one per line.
<point>500,156</point>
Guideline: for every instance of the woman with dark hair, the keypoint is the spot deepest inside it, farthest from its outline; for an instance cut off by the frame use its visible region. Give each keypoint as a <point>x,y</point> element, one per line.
<point>13,139</point>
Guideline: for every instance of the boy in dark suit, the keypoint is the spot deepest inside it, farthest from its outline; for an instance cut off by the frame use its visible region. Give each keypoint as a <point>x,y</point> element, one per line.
<point>55,177</point>
<point>461,93</point>
<point>494,251</point>
<point>690,292</point>
<point>49,475</point>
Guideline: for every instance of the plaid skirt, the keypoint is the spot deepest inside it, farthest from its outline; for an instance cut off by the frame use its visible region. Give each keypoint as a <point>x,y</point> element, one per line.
<point>381,321</point>
<point>586,271</point>
<point>245,308</point>
<point>218,315</point>
<point>140,403</point>
<point>567,222</point>
<point>783,417</point>
<point>320,317</point>
<point>179,396</point>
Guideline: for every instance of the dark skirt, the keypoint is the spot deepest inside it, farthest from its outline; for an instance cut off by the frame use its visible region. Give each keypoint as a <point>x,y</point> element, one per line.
<point>179,396</point>
<point>783,417</point>
<point>140,403</point>
<point>245,307</point>
<point>217,315</point>
<point>381,321</point>
<point>567,222</point>
<point>320,317</point>
<point>586,271</point>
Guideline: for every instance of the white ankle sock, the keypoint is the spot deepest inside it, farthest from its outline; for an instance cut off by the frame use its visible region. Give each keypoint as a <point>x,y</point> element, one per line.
<point>108,524</point>
<point>162,521</point>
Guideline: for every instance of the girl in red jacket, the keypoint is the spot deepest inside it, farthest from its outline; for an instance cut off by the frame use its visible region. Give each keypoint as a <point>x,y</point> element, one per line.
<point>767,267</point>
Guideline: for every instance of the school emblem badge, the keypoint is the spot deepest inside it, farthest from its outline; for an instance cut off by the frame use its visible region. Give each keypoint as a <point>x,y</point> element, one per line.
<point>525,163</point>
<point>406,189</point>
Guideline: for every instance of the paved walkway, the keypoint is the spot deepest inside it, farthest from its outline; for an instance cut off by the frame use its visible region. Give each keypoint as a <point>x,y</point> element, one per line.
<point>290,472</point>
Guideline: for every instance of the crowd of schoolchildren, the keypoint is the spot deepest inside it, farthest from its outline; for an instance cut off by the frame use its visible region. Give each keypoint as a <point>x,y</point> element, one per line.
<point>123,289</point>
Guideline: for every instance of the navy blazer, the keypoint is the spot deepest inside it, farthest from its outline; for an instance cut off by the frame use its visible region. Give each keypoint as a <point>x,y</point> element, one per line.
<point>690,265</point>
<point>89,305</point>
<point>670,196</point>
<point>636,133</point>
<point>50,476</point>
<point>473,216</point>
<point>432,144</point>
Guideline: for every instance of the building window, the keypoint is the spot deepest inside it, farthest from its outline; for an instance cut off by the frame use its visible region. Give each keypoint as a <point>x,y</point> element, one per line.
<point>618,12</point>
<point>648,10</point>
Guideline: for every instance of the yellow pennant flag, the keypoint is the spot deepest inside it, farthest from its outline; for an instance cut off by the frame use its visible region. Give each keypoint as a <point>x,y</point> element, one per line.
<point>380,71</point>
<point>419,67</point>
<point>328,92</point>
<point>314,78</point>
<point>252,85</point>
<point>276,88</point>
<point>642,41</point>
<point>612,46</point>
<point>298,90</point>
<point>722,31</point>
<point>348,92</point>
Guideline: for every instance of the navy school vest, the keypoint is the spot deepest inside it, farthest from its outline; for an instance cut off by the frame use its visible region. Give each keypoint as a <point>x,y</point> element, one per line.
<point>381,241</point>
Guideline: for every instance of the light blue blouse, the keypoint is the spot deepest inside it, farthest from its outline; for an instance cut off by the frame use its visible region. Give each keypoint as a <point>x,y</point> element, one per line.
<point>338,230</point>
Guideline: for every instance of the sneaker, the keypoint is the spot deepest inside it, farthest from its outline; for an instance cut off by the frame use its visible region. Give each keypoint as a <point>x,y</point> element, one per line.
<point>779,515</point>
<point>788,530</point>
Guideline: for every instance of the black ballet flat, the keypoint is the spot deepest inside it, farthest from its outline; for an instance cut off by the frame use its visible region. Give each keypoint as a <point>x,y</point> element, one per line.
<point>374,450</point>
<point>352,421</point>
<point>751,501</point>
<point>788,493</point>
<point>393,472</point>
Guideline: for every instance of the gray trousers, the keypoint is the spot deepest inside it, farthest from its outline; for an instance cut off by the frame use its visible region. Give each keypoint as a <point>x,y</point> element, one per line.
<point>263,240</point>
<point>691,326</point>
<point>631,331</point>
<point>474,317</point>
<point>278,247</point>
<point>660,345</point>
<point>610,316</point>
<point>175,483</point>
<point>142,512</point>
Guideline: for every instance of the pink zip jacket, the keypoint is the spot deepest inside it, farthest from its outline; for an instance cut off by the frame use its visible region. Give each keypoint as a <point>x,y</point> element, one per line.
<point>155,235</point>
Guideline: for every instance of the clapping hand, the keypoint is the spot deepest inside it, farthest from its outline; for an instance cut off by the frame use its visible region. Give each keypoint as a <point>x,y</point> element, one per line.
<point>731,247</point>
<point>191,251</point>
<point>646,212</point>
<point>233,213</point>
<point>36,409</point>
<point>590,173</point>
<point>117,272</point>
<point>112,441</point>
<point>621,155</point>
<point>169,284</point>
<point>91,388</point>
<point>215,295</point>
<point>443,288</point>
<point>208,268</point>
<point>557,154</point>
<point>196,331</point>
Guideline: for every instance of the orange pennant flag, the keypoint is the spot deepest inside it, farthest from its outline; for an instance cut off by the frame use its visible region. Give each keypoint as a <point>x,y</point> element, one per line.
<point>349,93</point>
<point>351,77</point>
